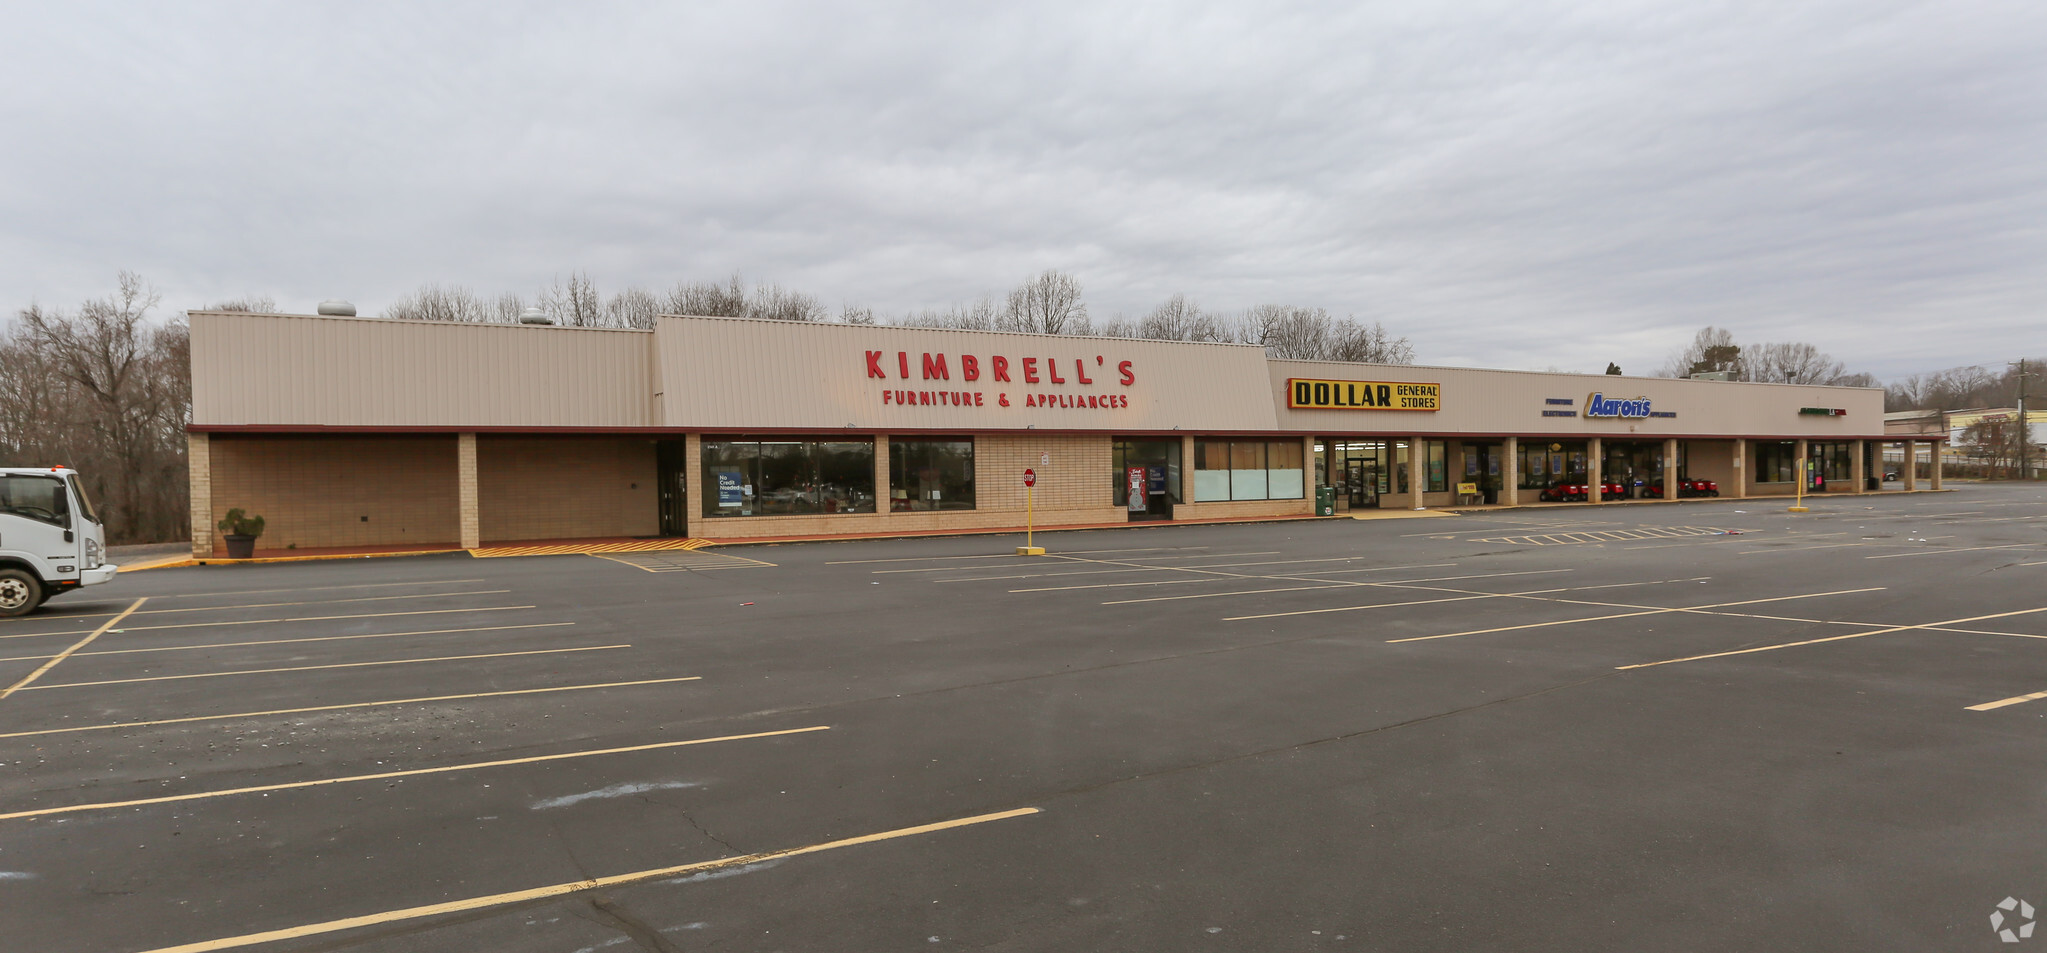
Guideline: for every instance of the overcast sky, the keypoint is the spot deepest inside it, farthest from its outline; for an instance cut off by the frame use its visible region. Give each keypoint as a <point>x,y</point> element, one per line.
<point>1510,184</point>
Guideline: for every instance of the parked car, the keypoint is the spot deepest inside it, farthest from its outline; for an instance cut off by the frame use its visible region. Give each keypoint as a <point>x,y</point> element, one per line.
<point>1890,476</point>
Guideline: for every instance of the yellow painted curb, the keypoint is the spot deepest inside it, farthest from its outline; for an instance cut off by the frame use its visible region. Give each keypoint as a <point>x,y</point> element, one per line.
<point>161,562</point>
<point>690,544</point>
<point>1399,514</point>
<point>224,561</point>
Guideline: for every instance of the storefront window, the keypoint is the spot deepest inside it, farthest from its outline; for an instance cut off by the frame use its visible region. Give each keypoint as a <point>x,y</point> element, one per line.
<point>1161,462</point>
<point>1776,462</point>
<point>930,475</point>
<point>1837,460</point>
<point>1285,476</point>
<point>1545,465</point>
<point>1438,459</point>
<point>1248,470</point>
<point>787,477</point>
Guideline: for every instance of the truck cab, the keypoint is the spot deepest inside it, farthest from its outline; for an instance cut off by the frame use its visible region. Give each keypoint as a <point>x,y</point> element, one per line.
<point>51,540</point>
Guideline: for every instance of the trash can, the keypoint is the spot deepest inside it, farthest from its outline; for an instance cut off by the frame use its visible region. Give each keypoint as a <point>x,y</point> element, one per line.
<point>1325,501</point>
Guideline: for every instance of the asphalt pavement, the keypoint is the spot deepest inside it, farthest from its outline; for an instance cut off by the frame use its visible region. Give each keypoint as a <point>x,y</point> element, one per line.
<point>1700,726</point>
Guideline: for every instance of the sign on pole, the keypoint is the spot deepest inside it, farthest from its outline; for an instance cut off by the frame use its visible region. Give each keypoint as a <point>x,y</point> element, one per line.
<point>1030,477</point>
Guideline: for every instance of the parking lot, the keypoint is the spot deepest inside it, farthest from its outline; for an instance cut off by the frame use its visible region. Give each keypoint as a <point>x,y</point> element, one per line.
<point>1707,726</point>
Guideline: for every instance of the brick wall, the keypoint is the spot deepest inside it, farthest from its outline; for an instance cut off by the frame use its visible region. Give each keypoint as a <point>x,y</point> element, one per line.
<point>565,487</point>
<point>199,459</point>
<point>337,491</point>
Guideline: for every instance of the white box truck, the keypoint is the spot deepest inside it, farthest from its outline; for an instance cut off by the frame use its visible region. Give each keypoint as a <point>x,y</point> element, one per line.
<point>51,541</point>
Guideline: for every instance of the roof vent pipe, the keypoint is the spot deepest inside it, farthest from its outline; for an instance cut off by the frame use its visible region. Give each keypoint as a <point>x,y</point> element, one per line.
<point>534,316</point>
<point>337,308</point>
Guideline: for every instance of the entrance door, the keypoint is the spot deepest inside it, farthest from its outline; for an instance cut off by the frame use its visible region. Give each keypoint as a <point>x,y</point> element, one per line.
<point>672,476</point>
<point>1482,467</point>
<point>1362,479</point>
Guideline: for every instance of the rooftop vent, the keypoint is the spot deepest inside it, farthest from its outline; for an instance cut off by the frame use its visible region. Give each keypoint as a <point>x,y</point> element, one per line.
<point>534,316</point>
<point>337,308</point>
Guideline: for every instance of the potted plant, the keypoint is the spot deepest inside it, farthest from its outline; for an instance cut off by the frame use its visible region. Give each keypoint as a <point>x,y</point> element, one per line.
<point>241,532</point>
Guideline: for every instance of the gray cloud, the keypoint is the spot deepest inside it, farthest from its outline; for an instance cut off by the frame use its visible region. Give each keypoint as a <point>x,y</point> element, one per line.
<point>1511,184</point>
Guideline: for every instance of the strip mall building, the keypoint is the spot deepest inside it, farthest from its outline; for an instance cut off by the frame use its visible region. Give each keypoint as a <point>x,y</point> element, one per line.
<point>361,432</point>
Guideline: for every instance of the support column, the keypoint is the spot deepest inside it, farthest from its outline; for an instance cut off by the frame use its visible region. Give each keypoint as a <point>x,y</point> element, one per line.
<point>884,492</point>
<point>466,492</point>
<point>1934,445</point>
<point>1417,473</point>
<point>1308,481</point>
<point>1670,468</point>
<point>199,461</point>
<point>1860,472</point>
<point>1595,470</point>
<point>693,481</point>
<point>1740,473</point>
<point>1510,472</point>
<point>1798,471</point>
<point>1910,472</point>
<point>1453,468</point>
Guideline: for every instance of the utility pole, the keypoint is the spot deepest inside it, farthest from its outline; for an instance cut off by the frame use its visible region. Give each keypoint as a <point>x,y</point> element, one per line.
<point>2025,433</point>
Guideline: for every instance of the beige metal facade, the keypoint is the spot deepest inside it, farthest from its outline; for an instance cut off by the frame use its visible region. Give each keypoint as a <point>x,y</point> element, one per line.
<point>367,432</point>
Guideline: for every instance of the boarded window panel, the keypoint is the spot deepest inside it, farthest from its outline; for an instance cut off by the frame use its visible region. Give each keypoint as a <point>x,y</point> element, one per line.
<point>1284,476</point>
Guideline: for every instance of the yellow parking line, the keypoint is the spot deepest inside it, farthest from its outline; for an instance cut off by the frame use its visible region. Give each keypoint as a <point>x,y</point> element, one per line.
<point>407,773</point>
<point>1124,585</point>
<point>329,602</point>
<point>322,638</point>
<point>311,668</point>
<point>61,656</point>
<point>2002,702</point>
<point>309,618</point>
<point>1080,552</point>
<point>578,886</point>
<point>299,711</point>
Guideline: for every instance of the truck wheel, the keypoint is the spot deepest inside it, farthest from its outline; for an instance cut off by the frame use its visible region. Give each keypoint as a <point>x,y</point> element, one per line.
<point>20,592</point>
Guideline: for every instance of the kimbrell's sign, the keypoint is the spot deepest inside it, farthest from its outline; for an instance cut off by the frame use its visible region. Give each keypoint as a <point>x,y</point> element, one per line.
<point>1308,394</point>
<point>1029,377</point>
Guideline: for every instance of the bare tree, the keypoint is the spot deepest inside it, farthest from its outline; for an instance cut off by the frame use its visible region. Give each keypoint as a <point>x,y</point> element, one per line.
<point>252,304</point>
<point>774,303</point>
<point>1288,332</point>
<point>1175,319</point>
<point>1354,341</point>
<point>439,303</point>
<point>1790,363</point>
<point>1712,351</point>
<point>707,299</point>
<point>1047,304</point>
<point>632,308</point>
<point>573,302</point>
<point>113,392</point>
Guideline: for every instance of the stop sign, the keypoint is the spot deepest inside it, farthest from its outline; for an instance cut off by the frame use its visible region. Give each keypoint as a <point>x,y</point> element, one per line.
<point>1030,477</point>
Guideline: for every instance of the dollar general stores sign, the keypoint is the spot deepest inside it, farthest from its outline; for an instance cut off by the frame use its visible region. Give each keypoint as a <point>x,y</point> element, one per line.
<point>1304,394</point>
